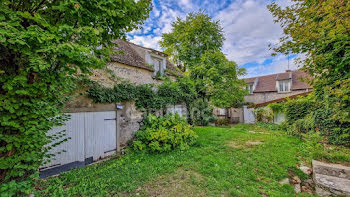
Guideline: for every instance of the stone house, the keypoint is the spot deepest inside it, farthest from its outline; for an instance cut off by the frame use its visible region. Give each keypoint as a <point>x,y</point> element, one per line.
<point>99,130</point>
<point>267,89</point>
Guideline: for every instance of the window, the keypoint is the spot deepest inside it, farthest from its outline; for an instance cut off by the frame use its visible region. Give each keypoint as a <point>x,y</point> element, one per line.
<point>251,88</point>
<point>284,86</point>
<point>158,65</point>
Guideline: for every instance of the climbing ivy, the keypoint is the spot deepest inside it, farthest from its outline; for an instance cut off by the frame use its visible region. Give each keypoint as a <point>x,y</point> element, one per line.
<point>147,97</point>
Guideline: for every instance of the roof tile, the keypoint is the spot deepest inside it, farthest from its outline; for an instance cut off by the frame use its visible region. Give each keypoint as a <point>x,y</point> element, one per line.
<point>267,83</point>
<point>130,57</point>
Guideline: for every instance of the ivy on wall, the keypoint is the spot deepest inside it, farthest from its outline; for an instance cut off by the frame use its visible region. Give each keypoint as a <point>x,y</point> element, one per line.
<point>147,97</point>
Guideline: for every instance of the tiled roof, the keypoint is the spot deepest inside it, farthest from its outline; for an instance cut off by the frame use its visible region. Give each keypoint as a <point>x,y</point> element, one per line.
<point>250,80</point>
<point>267,83</point>
<point>128,55</point>
<point>299,81</point>
<point>284,76</point>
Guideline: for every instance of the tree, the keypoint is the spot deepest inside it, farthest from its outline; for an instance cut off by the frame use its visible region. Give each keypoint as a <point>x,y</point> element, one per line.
<point>321,30</point>
<point>191,37</point>
<point>220,77</point>
<point>43,43</point>
<point>196,42</point>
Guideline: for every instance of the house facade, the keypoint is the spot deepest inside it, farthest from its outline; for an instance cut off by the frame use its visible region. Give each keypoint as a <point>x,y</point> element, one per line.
<point>97,130</point>
<point>267,88</point>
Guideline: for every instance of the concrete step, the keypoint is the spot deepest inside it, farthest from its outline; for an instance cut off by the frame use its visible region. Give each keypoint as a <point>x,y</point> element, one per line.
<point>334,170</point>
<point>330,185</point>
<point>331,179</point>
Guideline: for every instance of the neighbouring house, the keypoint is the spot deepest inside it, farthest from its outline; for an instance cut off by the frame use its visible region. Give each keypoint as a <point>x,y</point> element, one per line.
<point>99,130</point>
<point>273,88</point>
<point>267,89</point>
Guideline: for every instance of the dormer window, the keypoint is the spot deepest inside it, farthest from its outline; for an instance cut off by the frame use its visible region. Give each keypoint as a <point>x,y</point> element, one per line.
<point>157,65</point>
<point>251,88</point>
<point>284,86</point>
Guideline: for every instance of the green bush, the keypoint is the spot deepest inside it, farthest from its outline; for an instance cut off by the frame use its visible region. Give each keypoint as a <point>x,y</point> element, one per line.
<point>338,132</point>
<point>263,114</point>
<point>222,121</point>
<point>296,109</point>
<point>163,134</point>
<point>201,113</point>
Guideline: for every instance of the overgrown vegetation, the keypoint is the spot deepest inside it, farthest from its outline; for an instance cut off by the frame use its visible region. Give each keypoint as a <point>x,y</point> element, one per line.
<point>220,163</point>
<point>147,97</point>
<point>195,44</point>
<point>42,45</point>
<point>304,115</point>
<point>318,29</point>
<point>162,134</point>
<point>263,114</point>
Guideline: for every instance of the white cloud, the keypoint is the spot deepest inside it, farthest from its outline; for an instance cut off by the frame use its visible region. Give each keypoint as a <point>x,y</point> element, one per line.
<point>279,64</point>
<point>186,4</point>
<point>147,41</point>
<point>248,28</point>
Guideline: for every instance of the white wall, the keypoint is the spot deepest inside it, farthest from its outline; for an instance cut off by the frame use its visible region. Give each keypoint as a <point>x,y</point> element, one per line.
<point>249,116</point>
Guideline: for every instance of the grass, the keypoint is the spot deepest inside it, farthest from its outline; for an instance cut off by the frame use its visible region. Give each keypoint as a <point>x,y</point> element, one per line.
<point>243,160</point>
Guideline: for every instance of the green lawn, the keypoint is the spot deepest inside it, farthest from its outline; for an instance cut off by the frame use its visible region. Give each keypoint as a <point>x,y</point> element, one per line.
<point>240,161</point>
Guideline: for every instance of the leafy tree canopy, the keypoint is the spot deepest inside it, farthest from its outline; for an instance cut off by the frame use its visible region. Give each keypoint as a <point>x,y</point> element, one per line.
<point>43,43</point>
<point>196,42</point>
<point>219,79</point>
<point>191,37</point>
<point>321,30</point>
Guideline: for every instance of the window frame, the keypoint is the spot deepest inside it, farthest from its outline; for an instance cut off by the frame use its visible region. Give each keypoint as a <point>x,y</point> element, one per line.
<point>250,88</point>
<point>284,86</point>
<point>160,64</point>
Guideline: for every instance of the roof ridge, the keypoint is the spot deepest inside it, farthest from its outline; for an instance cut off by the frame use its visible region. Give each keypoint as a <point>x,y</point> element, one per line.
<point>129,42</point>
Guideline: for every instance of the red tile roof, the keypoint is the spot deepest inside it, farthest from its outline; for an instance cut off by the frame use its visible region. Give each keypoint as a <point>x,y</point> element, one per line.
<point>267,83</point>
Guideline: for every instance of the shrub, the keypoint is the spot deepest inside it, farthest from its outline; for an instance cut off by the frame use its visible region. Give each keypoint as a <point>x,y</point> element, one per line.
<point>296,109</point>
<point>338,132</point>
<point>223,121</point>
<point>163,134</point>
<point>263,114</point>
<point>201,113</point>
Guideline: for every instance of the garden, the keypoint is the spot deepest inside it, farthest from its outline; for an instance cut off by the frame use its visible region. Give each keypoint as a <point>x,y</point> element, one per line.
<point>244,160</point>
<point>49,47</point>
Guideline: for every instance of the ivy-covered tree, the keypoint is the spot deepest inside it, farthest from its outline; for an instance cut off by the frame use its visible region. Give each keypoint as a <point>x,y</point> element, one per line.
<point>195,42</point>
<point>43,44</point>
<point>321,30</point>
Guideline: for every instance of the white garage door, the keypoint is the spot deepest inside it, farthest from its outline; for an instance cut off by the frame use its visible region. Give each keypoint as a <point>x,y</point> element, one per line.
<point>93,136</point>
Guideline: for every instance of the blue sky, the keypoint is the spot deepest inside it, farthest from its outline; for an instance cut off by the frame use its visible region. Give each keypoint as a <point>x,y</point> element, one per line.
<point>248,28</point>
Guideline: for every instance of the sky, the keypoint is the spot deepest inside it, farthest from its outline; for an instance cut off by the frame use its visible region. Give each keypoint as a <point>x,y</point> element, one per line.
<point>248,28</point>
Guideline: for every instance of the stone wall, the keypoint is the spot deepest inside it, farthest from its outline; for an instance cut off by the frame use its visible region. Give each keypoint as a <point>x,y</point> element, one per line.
<point>130,118</point>
<point>133,74</point>
<point>257,98</point>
